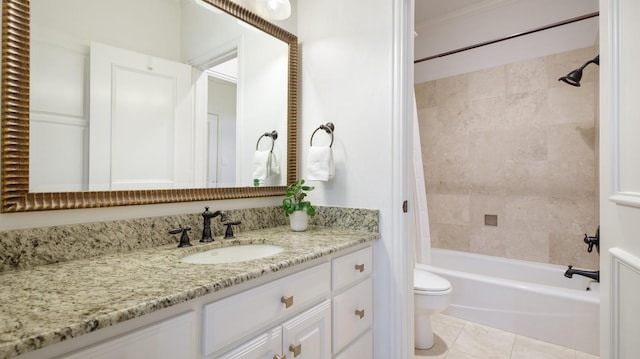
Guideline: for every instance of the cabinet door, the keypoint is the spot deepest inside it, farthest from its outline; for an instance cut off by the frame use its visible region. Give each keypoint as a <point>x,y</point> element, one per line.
<point>307,336</point>
<point>265,346</point>
<point>352,314</point>
<point>169,339</point>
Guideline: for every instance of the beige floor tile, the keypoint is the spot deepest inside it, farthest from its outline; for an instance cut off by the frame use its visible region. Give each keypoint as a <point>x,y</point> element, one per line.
<point>446,330</point>
<point>527,348</point>
<point>480,342</point>
<point>581,355</point>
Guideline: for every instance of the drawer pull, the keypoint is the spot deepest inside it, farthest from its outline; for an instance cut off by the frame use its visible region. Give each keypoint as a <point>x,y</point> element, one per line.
<point>296,349</point>
<point>288,301</point>
<point>360,313</point>
<point>278,356</point>
<point>360,267</point>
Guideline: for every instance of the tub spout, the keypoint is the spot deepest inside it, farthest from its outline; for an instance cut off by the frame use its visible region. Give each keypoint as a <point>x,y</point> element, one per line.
<point>595,275</point>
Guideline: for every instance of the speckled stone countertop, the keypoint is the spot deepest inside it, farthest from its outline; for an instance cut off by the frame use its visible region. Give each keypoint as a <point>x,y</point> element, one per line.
<point>56,302</point>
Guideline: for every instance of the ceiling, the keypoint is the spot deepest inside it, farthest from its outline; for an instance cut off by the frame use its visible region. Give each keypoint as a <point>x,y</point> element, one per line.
<point>426,10</point>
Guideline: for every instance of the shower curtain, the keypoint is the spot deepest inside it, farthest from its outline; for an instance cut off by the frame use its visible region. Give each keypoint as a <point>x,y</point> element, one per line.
<point>420,221</point>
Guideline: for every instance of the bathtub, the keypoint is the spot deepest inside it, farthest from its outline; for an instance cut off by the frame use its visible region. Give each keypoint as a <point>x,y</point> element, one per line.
<point>527,298</point>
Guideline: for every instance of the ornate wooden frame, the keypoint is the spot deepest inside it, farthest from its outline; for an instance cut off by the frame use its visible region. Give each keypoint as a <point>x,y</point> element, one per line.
<point>15,126</point>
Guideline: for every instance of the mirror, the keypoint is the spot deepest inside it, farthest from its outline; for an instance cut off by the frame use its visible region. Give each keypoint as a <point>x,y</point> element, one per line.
<point>190,144</point>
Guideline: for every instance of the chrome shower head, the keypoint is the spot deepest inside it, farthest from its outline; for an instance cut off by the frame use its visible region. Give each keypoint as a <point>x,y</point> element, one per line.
<point>574,77</point>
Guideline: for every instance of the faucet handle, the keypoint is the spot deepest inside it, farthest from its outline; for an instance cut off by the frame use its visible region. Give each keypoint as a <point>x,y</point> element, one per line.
<point>228,234</point>
<point>184,238</point>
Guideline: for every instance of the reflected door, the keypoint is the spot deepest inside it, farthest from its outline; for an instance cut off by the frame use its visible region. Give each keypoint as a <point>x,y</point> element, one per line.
<point>141,127</point>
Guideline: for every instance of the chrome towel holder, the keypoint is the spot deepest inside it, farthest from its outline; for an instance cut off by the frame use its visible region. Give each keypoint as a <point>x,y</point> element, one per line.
<point>328,128</point>
<point>273,135</point>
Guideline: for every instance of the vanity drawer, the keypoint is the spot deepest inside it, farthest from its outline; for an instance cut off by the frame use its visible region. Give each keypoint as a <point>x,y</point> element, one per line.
<point>232,318</point>
<point>352,267</point>
<point>352,314</point>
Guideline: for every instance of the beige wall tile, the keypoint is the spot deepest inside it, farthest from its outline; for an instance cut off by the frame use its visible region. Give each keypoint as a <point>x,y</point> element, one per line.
<point>448,208</point>
<point>454,88</point>
<point>527,109</point>
<point>515,141</point>
<point>574,215</point>
<point>486,204</point>
<point>527,178</point>
<point>487,114</point>
<point>487,83</point>
<point>488,146</point>
<point>570,249</point>
<point>526,76</point>
<point>527,213</point>
<point>573,178</point>
<point>445,177</point>
<point>528,245</point>
<point>487,178</point>
<point>426,94</point>
<point>526,144</point>
<point>572,142</point>
<point>488,240</point>
<point>450,236</point>
<point>570,104</point>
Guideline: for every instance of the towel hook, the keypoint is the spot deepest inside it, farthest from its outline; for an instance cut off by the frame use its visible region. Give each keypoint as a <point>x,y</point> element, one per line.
<point>328,128</point>
<point>273,135</point>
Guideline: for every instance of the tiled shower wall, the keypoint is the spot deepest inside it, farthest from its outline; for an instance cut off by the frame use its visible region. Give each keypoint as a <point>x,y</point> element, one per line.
<point>514,143</point>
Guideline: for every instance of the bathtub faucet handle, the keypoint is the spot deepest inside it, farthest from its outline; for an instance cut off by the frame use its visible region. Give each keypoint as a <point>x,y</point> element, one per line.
<point>591,241</point>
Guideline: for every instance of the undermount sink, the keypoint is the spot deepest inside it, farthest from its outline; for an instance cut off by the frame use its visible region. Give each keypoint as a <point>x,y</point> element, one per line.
<point>233,254</point>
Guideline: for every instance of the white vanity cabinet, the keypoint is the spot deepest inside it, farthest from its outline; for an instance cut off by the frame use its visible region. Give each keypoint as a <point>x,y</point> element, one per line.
<point>306,336</point>
<point>169,339</point>
<point>238,316</point>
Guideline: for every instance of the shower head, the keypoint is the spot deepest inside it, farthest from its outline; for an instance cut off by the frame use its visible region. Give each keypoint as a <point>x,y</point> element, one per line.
<point>574,77</point>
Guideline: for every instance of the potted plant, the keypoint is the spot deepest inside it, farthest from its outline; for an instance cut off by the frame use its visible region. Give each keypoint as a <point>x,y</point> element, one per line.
<point>296,208</point>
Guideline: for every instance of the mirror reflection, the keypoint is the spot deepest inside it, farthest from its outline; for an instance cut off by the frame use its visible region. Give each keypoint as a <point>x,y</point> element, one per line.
<point>153,94</point>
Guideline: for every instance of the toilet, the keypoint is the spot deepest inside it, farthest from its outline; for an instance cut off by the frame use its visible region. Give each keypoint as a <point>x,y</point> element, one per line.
<point>431,294</point>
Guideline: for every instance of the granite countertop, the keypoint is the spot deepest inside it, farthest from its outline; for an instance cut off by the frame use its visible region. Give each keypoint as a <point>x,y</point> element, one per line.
<point>51,303</point>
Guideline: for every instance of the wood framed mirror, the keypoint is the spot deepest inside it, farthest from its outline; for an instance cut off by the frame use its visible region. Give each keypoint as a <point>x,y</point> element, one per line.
<point>18,196</point>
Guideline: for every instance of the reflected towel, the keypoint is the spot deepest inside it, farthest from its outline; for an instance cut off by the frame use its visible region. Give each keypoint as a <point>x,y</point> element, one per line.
<point>320,163</point>
<point>265,165</point>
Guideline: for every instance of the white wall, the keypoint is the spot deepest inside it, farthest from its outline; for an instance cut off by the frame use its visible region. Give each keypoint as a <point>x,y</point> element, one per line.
<point>496,19</point>
<point>347,52</point>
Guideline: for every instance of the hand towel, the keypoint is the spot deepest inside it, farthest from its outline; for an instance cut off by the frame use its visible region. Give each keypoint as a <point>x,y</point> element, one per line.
<point>266,164</point>
<point>320,163</point>
<point>261,164</point>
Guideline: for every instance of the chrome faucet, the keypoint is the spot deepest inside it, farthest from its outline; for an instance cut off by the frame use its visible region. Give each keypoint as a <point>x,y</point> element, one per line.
<point>595,275</point>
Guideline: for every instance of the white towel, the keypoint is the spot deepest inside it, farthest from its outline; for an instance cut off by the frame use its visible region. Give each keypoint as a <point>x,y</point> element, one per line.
<point>320,163</point>
<point>265,165</point>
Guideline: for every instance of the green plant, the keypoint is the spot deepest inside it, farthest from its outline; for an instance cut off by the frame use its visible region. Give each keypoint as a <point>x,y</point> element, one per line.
<point>294,199</point>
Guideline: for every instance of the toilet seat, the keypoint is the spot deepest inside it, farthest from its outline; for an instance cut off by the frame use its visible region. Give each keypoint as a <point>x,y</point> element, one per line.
<point>428,283</point>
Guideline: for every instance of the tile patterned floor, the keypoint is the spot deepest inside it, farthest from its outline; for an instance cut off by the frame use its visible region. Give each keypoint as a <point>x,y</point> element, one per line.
<point>459,339</point>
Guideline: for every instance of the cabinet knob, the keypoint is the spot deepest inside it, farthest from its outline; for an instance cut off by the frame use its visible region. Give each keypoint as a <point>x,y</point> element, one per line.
<point>288,301</point>
<point>296,349</point>
<point>278,356</point>
<point>360,313</point>
<point>360,267</point>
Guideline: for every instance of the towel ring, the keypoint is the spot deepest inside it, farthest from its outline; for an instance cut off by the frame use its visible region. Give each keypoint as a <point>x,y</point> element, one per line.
<point>328,128</point>
<point>273,135</point>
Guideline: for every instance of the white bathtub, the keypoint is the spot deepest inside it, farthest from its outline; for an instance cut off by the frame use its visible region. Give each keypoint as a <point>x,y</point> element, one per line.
<point>527,298</point>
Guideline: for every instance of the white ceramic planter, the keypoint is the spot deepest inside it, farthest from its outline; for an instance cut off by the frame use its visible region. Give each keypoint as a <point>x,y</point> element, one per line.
<point>299,221</point>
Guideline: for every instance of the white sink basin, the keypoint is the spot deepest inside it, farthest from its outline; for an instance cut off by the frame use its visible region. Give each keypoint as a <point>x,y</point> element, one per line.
<point>233,254</point>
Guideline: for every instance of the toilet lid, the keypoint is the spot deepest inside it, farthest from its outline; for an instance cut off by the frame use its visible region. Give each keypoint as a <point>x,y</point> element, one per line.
<point>429,282</point>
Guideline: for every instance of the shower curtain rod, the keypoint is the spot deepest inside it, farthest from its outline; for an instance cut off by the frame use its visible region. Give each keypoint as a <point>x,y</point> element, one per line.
<point>509,37</point>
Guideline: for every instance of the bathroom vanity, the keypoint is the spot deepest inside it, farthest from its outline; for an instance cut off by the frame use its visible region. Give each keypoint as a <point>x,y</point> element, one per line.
<point>314,297</point>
